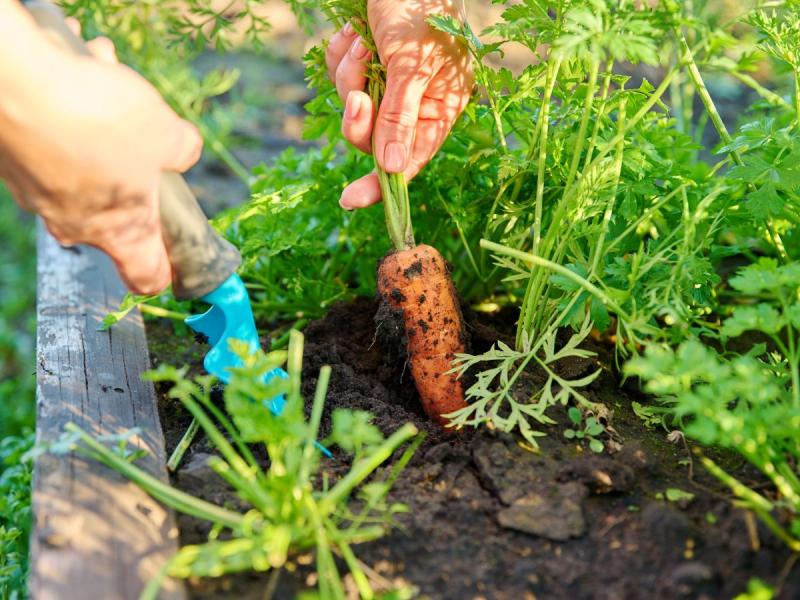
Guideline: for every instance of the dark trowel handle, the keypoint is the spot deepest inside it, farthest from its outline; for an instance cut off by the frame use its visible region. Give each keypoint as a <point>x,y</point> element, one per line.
<point>201,260</point>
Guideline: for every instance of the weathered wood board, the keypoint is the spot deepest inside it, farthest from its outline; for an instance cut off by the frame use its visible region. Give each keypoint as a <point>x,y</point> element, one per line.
<point>96,536</point>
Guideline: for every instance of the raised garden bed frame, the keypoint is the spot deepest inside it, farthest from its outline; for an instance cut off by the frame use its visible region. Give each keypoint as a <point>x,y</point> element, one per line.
<point>95,535</point>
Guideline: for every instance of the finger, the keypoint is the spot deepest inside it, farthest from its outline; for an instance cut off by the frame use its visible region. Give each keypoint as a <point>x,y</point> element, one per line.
<point>337,47</point>
<point>183,143</point>
<point>351,74</point>
<point>74,25</point>
<point>143,268</point>
<point>406,82</point>
<point>436,119</point>
<point>103,49</point>
<point>59,233</point>
<point>357,121</point>
<point>361,193</point>
<point>429,139</point>
<point>135,245</point>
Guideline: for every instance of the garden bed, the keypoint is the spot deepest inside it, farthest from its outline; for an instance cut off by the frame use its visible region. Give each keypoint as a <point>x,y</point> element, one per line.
<point>488,518</point>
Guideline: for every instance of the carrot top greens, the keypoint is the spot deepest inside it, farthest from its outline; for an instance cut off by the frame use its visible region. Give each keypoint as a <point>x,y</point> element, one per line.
<point>394,187</point>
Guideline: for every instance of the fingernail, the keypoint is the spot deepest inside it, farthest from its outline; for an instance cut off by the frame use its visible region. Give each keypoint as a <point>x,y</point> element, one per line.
<point>353,106</point>
<point>359,50</point>
<point>394,157</point>
<point>344,206</point>
<point>348,29</point>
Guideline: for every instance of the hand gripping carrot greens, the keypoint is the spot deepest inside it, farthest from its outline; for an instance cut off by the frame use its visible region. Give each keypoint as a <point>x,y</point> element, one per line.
<point>413,281</point>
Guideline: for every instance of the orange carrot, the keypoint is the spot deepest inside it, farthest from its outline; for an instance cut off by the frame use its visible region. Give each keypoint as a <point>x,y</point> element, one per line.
<point>416,282</point>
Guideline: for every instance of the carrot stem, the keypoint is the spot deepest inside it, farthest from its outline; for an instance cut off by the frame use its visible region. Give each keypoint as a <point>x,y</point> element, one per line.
<point>397,208</point>
<point>394,187</point>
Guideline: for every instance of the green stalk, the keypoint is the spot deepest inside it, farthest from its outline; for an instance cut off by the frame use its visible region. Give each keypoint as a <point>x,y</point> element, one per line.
<point>213,141</point>
<point>294,364</point>
<point>797,95</point>
<point>361,581</point>
<point>158,311</point>
<point>532,311</point>
<point>316,418</point>
<point>364,468</point>
<point>604,90</point>
<point>794,360</point>
<point>397,208</point>
<point>754,501</point>
<point>705,97</point>
<point>722,131</point>
<point>159,490</point>
<point>588,102</point>
<point>598,249</point>
<point>544,116</point>
<point>283,340</point>
<point>244,449</point>
<point>248,474</point>
<point>533,260</point>
<point>394,187</point>
<point>768,95</point>
<point>177,455</point>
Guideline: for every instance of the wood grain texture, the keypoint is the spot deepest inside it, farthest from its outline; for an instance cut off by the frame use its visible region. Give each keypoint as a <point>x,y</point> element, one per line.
<point>96,536</point>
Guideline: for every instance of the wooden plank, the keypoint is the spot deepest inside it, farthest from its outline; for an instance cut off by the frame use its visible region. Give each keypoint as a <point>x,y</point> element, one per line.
<point>95,535</point>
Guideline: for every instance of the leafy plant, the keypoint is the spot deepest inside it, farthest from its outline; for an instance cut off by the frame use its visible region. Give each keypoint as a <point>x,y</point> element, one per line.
<point>587,429</point>
<point>17,389</point>
<point>294,508</point>
<point>15,516</point>
<point>494,393</point>
<point>746,402</point>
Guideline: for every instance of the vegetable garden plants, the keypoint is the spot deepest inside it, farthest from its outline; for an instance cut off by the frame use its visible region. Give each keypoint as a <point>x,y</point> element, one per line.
<point>484,513</point>
<point>583,201</point>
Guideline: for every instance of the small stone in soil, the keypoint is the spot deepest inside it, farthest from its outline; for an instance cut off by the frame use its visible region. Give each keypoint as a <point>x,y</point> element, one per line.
<point>601,474</point>
<point>556,515</point>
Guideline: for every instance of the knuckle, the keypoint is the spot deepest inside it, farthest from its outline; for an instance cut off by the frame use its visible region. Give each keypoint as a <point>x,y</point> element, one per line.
<point>398,119</point>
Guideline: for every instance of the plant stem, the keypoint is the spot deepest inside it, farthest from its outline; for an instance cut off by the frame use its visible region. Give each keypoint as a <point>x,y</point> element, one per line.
<point>316,418</point>
<point>591,87</point>
<point>397,208</point>
<point>394,187</point>
<point>365,467</point>
<point>157,311</point>
<point>598,249</point>
<point>294,365</point>
<point>534,260</point>
<point>544,116</point>
<point>768,95</point>
<point>754,501</point>
<point>281,342</point>
<point>705,97</point>
<point>159,490</point>
<point>186,441</point>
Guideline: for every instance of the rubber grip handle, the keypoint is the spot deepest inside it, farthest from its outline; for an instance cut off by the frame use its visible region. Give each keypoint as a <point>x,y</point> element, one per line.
<point>200,258</point>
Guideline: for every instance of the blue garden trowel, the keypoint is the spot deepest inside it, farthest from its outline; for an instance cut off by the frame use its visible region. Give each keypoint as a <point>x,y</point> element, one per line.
<point>203,263</point>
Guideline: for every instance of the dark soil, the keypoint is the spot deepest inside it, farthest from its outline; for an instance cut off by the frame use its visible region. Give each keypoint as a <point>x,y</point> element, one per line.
<point>489,519</point>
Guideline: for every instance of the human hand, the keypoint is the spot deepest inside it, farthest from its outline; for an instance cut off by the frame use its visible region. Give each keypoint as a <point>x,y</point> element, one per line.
<point>83,142</point>
<point>429,82</point>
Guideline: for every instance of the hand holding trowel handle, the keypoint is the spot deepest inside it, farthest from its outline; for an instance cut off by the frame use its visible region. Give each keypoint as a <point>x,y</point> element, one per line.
<point>203,264</point>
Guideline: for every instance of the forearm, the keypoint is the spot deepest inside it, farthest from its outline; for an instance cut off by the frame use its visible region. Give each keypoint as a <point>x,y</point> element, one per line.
<point>27,59</point>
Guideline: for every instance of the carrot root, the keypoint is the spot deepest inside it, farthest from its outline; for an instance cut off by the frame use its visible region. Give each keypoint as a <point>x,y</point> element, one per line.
<point>417,282</point>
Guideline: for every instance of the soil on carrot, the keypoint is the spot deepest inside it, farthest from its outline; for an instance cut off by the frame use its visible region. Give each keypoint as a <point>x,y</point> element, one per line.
<point>488,518</point>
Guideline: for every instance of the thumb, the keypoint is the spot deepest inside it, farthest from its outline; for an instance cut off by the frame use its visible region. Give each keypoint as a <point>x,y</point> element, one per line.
<point>183,143</point>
